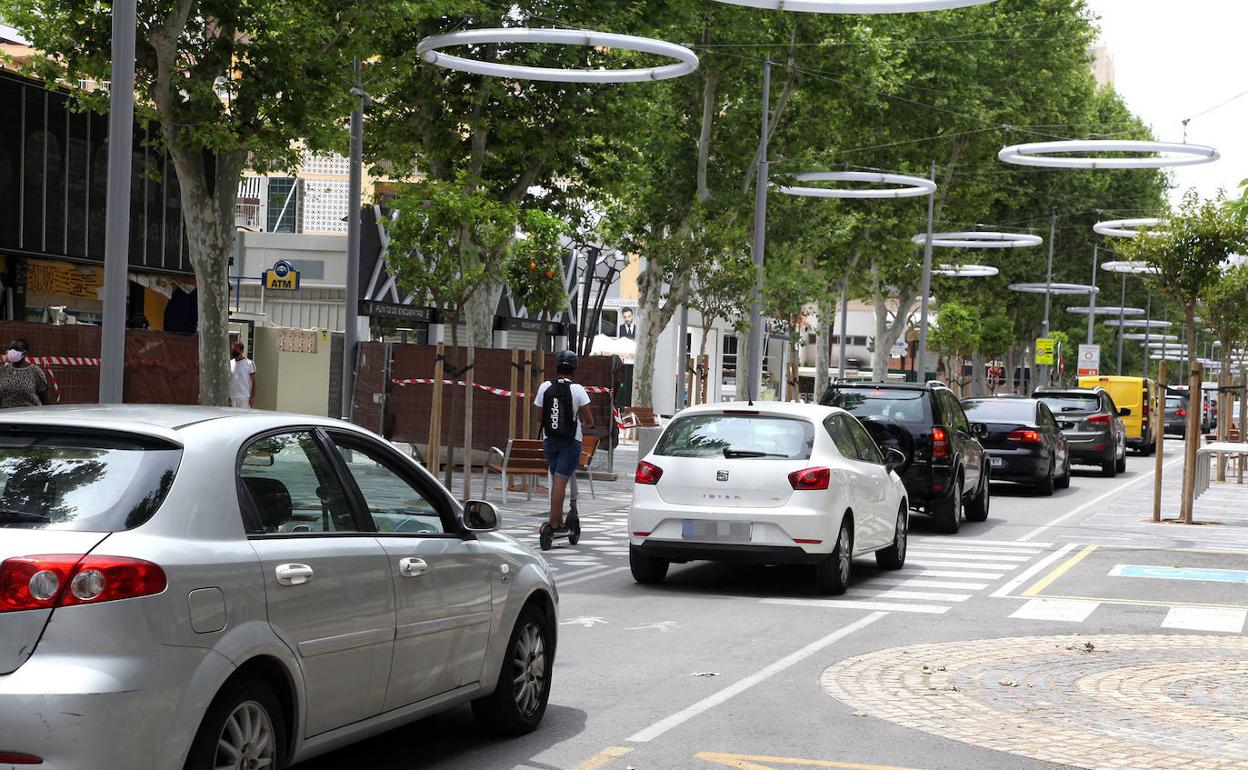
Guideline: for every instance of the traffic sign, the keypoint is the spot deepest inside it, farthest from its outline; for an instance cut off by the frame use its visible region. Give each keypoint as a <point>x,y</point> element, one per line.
<point>1045,348</point>
<point>1089,360</point>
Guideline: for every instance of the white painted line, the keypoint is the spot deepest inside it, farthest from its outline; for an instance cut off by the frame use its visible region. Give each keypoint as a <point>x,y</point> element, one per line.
<point>975,541</point>
<point>1028,573</point>
<point>559,576</point>
<point>1116,490</point>
<point>561,584</point>
<point>928,561</point>
<point>853,604</point>
<point>740,686</point>
<point>1220,619</point>
<point>931,596</point>
<point>920,583</point>
<point>1000,551</point>
<point>1062,610</point>
<point>968,556</point>
<point>942,573</point>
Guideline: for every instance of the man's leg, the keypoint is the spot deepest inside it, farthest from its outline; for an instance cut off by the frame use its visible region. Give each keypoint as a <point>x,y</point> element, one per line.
<point>558,490</point>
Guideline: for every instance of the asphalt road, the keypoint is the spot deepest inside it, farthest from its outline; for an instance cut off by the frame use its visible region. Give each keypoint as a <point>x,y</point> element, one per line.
<point>725,666</point>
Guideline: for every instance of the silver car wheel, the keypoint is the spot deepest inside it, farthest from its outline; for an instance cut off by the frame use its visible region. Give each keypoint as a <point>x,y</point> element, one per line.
<point>843,546</point>
<point>529,663</point>
<point>900,537</point>
<point>247,739</point>
<point>960,509</point>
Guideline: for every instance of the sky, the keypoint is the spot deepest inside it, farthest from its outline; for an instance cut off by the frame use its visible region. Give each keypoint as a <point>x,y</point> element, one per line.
<point>1174,59</point>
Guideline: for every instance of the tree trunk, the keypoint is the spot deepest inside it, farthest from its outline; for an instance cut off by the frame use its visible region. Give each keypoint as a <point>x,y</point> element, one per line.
<point>823,343</point>
<point>879,355</point>
<point>479,313</point>
<point>1192,442</point>
<point>654,315</point>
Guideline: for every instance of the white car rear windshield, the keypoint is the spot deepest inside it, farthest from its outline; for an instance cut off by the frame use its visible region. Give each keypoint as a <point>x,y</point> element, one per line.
<point>82,481</point>
<point>740,436</point>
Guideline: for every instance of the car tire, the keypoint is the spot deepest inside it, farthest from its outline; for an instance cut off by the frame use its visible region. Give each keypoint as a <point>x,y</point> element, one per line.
<point>1045,486</point>
<point>518,703</point>
<point>1109,468</point>
<point>243,702</point>
<point>949,513</point>
<point>1120,464</point>
<point>977,510</point>
<point>894,556</point>
<point>834,571</point>
<point>1063,481</point>
<point>646,570</point>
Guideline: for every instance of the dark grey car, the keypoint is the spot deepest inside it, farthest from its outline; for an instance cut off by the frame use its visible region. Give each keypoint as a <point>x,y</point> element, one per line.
<point>1092,424</point>
<point>1176,415</point>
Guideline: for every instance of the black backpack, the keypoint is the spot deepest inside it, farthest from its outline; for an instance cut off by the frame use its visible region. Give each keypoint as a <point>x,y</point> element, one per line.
<point>558,414</point>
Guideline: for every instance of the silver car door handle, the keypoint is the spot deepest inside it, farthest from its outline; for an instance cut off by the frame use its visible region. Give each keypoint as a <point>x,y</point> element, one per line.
<point>412,567</point>
<point>293,574</point>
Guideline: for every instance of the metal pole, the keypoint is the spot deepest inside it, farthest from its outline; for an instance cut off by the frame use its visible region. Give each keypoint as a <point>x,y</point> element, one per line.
<point>1148,322</point>
<point>1048,288</point>
<point>755,383</point>
<point>117,206</point>
<point>926,288</point>
<point>351,315</point>
<point>682,344</point>
<point>1122,314</point>
<point>844,322</point>
<point>1092,297</point>
<point>591,265</point>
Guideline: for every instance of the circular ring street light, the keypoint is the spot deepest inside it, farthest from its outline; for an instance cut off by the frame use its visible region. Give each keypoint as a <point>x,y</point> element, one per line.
<point>855,6</point>
<point>1107,310</point>
<point>686,60</point>
<point>1162,339</point>
<point>1133,268</point>
<point>1053,288</point>
<point>966,271</point>
<point>1147,324</point>
<point>1163,154</point>
<point>978,240</point>
<point>1127,228</point>
<point>913,186</point>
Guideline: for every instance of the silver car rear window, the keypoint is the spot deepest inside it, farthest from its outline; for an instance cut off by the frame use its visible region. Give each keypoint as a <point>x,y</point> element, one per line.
<point>743,436</point>
<point>90,482</point>
<point>1072,402</point>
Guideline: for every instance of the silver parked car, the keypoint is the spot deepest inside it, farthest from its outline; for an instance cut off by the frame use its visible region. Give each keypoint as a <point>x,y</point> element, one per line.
<point>184,587</point>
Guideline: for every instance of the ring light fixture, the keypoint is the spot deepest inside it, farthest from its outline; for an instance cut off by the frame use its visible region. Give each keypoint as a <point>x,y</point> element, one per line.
<point>856,6</point>
<point>1107,310</point>
<point>980,240</point>
<point>1149,154</point>
<point>1053,288</point>
<point>909,186</point>
<point>966,271</point>
<point>1127,228</point>
<point>1134,268</point>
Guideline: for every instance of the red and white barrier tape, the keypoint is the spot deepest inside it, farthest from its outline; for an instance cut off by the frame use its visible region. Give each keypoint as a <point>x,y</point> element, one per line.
<point>486,388</point>
<point>63,361</point>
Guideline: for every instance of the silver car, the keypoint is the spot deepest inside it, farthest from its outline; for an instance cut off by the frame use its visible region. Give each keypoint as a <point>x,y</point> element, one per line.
<point>185,587</point>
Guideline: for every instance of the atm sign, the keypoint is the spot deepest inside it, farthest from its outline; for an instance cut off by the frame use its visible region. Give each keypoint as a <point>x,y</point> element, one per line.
<point>281,279</point>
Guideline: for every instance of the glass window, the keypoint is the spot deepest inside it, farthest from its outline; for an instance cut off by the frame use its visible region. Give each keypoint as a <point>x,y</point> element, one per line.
<point>292,486</point>
<point>1072,402</point>
<point>395,505</point>
<point>1001,410</point>
<point>841,437</point>
<point>82,482</point>
<point>957,417</point>
<point>738,436</point>
<point>892,404</point>
<point>1046,417</point>
<point>282,212</point>
<point>868,451</point>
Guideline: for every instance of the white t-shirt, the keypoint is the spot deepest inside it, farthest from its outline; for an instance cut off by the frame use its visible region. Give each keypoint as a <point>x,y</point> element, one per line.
<point>580,398</point>
<point>240,377</point>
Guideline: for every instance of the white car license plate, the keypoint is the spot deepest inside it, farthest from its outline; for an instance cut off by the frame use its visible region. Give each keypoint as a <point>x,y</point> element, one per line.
<point>721,531</point>
<point>996,462</point>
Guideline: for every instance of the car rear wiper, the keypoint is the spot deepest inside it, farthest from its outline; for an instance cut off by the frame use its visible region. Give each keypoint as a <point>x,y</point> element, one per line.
<point>1073,409</point>
<point>736,454</point>
<point>23,517</point>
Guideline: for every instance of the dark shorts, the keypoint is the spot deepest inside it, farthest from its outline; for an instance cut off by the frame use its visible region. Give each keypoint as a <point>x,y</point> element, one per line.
<point>562,455</point>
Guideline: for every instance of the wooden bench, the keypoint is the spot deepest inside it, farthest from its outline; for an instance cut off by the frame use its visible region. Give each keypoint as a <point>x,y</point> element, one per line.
<point>523,457</point>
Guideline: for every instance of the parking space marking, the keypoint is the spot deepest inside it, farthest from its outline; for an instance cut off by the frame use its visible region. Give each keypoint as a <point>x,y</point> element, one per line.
<point>851,604</point>
<point>602,758</point>
<point>1062,569</point>
<point>1216,619</point>
<point>1059,610</point>
<point>740,686</point>
<point>749,762</point>
<point>1180,573</point>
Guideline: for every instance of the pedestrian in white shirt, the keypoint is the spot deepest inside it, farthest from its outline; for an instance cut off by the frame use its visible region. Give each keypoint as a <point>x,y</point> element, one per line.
<point>242,379</point>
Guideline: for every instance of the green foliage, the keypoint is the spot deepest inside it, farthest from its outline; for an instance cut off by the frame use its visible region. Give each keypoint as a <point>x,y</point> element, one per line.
<point>1224,307</point>
<point>957,330</point>
<point>533,267</point>
<point>996,335</point>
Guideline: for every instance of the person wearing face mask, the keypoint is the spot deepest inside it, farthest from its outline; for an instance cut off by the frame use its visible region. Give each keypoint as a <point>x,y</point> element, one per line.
<point>21,382</point>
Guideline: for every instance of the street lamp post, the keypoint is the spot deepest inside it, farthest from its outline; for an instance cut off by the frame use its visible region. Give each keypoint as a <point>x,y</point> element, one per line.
<point>351,315</point>
<point>754,364</point>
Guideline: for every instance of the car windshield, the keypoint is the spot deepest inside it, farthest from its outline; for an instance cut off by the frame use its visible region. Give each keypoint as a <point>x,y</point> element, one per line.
<point>1071,402</point>
<point>1000,410</point>
<point>82,482</point>
<point>893,404</point>
<point>1174,402</point>
<point>738,436</point>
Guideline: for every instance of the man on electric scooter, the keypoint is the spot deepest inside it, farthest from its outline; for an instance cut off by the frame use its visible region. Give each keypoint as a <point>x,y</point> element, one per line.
<point>565,409</point>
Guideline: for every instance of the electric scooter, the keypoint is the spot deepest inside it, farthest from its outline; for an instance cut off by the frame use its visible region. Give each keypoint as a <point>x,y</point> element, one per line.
<point>571,531</point>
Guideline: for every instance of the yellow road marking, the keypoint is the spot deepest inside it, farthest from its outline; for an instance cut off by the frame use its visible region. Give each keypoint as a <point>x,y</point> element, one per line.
<point>602,758</point>
<point>746,762</point>
<point>1045,581</point>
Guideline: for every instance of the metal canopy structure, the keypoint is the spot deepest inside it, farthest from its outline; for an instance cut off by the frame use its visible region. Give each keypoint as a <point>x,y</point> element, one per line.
<point>1147,324</point>
<point>981,240</point>
<point>1084,154</point>
<point>905,186</point>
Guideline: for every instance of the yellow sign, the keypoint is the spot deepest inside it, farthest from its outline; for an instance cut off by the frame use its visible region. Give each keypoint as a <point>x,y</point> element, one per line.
<point>275,282</point>
<point>1045,348</point>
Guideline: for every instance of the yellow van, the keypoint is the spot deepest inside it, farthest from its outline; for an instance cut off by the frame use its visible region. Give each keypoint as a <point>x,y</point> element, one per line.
<point>1137,394</point>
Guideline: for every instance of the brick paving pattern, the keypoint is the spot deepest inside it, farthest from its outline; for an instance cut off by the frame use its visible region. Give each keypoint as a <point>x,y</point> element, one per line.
<point>1100,702</point>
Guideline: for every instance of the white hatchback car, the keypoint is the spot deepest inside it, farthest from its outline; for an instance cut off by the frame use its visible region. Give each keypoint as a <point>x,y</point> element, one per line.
<point>768,483</point>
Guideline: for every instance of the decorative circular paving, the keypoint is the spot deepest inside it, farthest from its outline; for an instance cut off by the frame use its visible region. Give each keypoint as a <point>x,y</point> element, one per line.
<point>1100,702</point>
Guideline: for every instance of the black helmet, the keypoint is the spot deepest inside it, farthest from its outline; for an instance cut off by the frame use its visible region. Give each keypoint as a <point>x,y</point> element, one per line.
<point>565,361</point>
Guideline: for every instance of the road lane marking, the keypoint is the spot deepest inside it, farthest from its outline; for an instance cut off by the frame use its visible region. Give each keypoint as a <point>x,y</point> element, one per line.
<point>675,720</point>
<point>1116,490</point>
<point>854,604</point>
<point>975,541</point>
<point>920,583</point>
<point>561,584</point>
<point>559,576</point>
<point>968,556</point>
<point>1065,567</point>
<point>1206,619</point>
<point>944,573</point>
<point>893,593</point>
<point>748,762</point>
<point>1203,574</point>
<point>1031,571</point>
<point>960,549</point>
<point>1061,610</point>
<point>602,758</point>
<point>928,561</point>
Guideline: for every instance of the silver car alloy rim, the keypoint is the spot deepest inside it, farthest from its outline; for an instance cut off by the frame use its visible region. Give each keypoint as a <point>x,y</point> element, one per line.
<point>846,557</point>
<point>529,662</point>
<point>957,500</point>
<point>247,741</point>
<point>901,535</point>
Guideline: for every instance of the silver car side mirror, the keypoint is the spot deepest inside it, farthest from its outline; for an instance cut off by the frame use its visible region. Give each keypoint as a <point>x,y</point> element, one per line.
<point>480,516</point>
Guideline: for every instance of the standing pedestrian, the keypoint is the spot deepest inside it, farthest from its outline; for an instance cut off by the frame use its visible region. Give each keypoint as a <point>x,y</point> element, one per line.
<point>242,379</point>
<point>21,382</point>
<point>565,410</point>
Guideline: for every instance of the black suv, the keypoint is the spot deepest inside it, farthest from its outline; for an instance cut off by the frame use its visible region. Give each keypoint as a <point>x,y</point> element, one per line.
<point>947,475</point>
